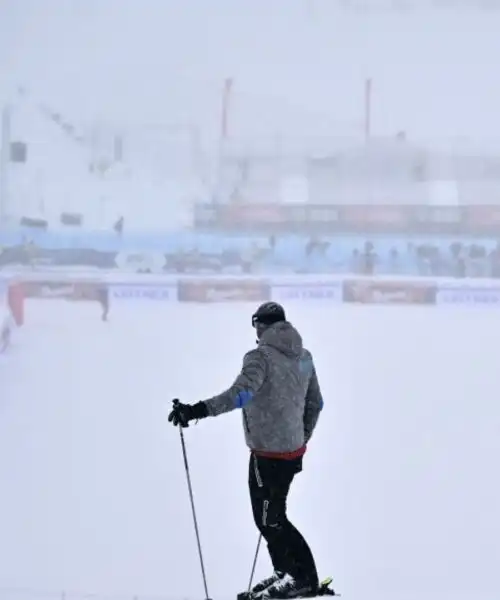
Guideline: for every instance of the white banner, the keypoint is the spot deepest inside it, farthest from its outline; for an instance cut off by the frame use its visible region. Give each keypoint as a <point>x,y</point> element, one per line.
<point>140,262</point>
<point>134,292</point>
<point>463,296</point>
<point>332,292</point>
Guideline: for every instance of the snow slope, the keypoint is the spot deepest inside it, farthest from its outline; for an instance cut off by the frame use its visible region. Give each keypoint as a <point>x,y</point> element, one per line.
<point>399,497</point>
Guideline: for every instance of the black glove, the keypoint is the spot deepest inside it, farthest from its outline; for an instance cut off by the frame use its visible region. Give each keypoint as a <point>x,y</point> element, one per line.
<point>181,414</point>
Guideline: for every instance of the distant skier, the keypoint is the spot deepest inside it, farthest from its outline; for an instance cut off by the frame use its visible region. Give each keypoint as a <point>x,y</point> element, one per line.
<point>279,394</point>
<point>5,335</point>
<point>103,299</point>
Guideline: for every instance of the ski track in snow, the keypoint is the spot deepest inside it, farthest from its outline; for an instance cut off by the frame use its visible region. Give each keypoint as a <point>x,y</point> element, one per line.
<point>399,496</point>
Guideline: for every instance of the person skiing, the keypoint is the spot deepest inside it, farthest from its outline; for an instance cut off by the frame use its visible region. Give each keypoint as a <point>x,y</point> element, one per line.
<point>103,299</point>
<point>280,397</point>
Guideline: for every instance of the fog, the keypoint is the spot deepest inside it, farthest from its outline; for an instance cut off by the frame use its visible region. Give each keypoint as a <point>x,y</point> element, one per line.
<point>434,70</point>
<point>399,496</point>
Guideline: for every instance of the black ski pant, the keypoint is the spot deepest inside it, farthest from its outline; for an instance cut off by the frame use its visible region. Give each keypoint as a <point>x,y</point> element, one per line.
<point>269,480</point>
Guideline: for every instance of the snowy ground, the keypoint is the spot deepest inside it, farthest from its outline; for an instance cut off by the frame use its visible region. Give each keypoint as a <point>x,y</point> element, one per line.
<point>400,496</point>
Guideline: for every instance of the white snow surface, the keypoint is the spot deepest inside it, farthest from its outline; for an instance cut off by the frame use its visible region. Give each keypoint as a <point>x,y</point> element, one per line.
<point>399,497</point>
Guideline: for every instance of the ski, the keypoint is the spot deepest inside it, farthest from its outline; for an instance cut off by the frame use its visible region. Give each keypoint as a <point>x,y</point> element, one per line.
<point>325,589</point>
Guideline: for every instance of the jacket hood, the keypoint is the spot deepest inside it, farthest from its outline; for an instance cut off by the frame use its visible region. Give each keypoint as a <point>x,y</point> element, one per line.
<point>284,337</point>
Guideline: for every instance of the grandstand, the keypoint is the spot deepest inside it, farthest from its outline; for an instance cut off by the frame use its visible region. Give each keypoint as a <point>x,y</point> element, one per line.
<point>389,171</point>
<point>252,204</point>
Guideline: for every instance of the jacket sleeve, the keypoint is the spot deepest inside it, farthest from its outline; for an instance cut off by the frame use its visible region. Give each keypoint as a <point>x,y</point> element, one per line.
<point>246,385</point>
<point>313,404</point>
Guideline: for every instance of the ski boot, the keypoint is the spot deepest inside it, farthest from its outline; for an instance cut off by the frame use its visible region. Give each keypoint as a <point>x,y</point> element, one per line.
<point>261,586</point>
<point>287,588</point>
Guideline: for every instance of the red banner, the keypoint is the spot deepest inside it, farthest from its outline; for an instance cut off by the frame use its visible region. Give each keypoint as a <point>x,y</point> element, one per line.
<point>393,217</point>
<point>388,292</point>
<point>62,290</point>
<point>362,219</point>
<point>223,290</point>
<point>254,213</point>
<point>482,217</point>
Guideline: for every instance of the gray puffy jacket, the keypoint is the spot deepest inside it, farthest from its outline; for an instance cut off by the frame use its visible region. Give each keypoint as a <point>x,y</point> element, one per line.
<point>278,391</point>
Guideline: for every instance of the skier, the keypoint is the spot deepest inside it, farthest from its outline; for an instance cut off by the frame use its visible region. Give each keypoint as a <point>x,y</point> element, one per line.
<point>103,299</point>
<point>279,394</point>
<point>5,334</point>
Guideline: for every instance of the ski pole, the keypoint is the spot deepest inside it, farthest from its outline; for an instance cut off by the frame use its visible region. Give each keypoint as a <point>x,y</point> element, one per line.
<point>195,520</point>
<point>254,563</point>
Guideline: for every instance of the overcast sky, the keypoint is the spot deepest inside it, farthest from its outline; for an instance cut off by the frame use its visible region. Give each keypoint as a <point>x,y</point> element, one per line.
<point>295,64</point>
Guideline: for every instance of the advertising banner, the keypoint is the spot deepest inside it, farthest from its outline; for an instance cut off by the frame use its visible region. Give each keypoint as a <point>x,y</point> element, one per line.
<point>31,256</point>
<point>52,290</point>
<point>388,292</point>
<point>86,291</point>
<point>375,219</point>
<point>482,219</point>
<point>141,262</point>
<point>363,219</point>
<point>223,290</point>
<point>134,292</point>
<point>331,292</point>
<point>49,289</point>
<point>468,296</point>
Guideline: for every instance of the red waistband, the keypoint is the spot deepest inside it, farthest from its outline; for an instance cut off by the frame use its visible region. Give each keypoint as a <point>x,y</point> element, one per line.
<point>282,455</point>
